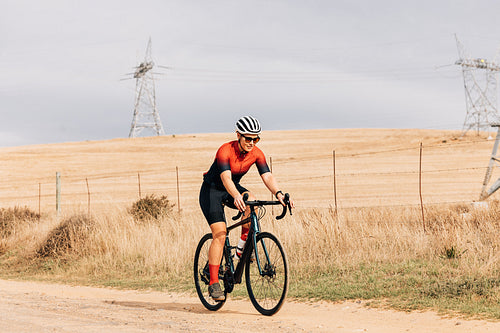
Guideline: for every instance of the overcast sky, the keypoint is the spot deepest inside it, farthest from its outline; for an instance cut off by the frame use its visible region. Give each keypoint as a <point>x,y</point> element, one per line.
<point>292,64</point>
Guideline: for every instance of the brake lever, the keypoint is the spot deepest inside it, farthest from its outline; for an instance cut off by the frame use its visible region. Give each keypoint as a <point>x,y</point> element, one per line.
<point>237,216</point>
<point>285,207</point>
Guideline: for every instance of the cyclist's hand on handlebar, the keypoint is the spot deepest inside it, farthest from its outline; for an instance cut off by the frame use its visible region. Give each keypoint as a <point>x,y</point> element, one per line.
<point>281,198</point>
<point>239,203</point>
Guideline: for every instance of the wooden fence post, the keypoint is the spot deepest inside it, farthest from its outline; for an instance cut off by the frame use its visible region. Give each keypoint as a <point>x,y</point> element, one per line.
<point>88,196</point>
<point>334,183</point>
<point>58,193</point>
<point>178,192</point>
<point>39,200</point>
<point>420,186</point>
<point>139,182</point>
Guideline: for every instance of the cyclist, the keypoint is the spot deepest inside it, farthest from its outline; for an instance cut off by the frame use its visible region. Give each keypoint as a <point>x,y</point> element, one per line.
<point>221,187</point>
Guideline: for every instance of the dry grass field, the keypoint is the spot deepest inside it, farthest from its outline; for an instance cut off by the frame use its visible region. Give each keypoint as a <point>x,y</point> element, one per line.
<point>375,248</point>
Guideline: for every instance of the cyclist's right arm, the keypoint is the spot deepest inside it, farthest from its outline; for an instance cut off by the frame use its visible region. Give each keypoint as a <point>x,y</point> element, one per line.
<point>231,189</point>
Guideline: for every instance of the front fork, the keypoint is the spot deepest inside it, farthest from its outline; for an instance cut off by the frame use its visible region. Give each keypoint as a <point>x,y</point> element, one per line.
<point>249,248</point>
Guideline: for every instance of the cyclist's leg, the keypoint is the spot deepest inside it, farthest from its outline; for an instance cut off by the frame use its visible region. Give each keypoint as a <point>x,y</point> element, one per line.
<point>229,201</point>
<point>214,259</point>
<point>211,202</point>
<point>216,248</point>
<point>245,228</point>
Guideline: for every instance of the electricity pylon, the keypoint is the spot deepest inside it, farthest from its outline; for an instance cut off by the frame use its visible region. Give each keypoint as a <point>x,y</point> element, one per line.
<point>494,162</point>
<point>146,116</point>
<point>480,82</point>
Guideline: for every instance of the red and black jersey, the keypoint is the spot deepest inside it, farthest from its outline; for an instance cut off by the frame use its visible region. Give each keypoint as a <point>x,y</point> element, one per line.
<point>229,157</point>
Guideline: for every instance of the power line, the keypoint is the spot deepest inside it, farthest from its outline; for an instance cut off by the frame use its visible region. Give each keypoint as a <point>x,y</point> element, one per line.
<point>219,75</point>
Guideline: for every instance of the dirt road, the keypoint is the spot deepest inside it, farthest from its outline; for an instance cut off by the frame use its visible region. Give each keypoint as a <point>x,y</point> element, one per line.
<point>40,307</point>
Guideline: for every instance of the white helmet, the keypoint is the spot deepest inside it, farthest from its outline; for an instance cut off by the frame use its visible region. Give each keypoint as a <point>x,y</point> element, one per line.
<point>248,125</point>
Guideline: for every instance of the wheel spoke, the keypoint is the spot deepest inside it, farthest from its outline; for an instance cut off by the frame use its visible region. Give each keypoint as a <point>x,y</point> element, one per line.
<point>268,290</point>
<point>202,275</point>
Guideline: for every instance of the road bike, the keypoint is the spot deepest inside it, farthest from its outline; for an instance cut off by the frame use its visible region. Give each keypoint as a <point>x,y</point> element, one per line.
<point>263,259</point>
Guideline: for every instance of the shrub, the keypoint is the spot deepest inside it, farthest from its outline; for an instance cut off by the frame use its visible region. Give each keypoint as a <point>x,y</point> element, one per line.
<point>71,235</point>
<point>452,252</point>
<point>151,208</point>
<point>11,218</point>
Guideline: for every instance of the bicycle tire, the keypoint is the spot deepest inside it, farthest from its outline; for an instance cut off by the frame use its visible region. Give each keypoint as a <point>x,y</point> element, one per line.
<point>202,275</point>
<point>268,291</point>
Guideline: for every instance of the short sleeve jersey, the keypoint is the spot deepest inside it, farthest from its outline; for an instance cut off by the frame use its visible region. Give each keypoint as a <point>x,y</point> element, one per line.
<point>229,157</point>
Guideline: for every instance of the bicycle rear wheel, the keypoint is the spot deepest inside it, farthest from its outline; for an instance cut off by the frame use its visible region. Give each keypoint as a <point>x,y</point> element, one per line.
<point>267,290</point>
<point>202,274</point>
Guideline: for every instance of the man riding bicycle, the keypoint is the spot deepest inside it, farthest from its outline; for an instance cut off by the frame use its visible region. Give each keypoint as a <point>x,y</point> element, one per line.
<point>221,187</point>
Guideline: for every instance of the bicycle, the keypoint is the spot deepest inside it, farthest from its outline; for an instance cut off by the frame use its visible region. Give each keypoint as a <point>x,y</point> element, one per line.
<point>266,274</point>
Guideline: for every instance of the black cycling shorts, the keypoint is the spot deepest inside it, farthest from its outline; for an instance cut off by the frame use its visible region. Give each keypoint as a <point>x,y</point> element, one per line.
<point>213,200</point>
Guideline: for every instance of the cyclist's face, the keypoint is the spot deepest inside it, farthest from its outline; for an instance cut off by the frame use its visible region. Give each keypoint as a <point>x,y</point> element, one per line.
<point>245,143</point>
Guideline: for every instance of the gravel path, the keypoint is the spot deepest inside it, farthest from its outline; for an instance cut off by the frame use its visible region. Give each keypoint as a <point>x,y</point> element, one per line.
<point>41,307</point>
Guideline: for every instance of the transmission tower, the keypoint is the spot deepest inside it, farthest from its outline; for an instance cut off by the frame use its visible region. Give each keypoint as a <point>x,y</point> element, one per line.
<point>494,162</point>
<point>480,82</point>
<point>146,117</point>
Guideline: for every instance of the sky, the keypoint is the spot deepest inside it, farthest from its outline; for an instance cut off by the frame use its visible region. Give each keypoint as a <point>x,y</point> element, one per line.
<point>291,64</point>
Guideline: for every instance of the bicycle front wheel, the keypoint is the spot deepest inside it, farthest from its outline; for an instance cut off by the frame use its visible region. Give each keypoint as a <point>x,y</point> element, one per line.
<point>202,274</point>
<point>267,286</point>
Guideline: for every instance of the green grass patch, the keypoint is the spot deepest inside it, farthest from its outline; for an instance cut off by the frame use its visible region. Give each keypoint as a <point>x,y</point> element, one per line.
<point>410,285</point>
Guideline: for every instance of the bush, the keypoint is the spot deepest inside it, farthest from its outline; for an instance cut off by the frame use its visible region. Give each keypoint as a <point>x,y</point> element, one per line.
<point>11,218</point>
<point>151,208</point>
<point>69,236</point>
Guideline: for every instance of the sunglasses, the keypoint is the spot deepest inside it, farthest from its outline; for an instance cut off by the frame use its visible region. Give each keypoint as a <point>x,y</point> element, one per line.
<point>248,139</point>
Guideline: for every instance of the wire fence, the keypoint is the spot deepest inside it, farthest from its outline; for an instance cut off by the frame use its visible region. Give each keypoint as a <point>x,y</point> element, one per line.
<point>410,176</point>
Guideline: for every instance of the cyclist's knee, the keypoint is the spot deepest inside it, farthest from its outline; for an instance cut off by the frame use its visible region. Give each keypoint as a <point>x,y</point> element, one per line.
<point>218,231</point>
<point>220,235</point>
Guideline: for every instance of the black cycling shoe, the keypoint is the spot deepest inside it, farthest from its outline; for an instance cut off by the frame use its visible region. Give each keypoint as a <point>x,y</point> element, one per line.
<point>216,292</point>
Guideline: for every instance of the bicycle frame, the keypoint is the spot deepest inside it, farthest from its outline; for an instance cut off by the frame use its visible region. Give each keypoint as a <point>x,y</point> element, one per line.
<point>249,247</point>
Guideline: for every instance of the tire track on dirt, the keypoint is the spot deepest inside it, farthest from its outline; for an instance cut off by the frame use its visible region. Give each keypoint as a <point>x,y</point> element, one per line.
<point>42,307</point>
